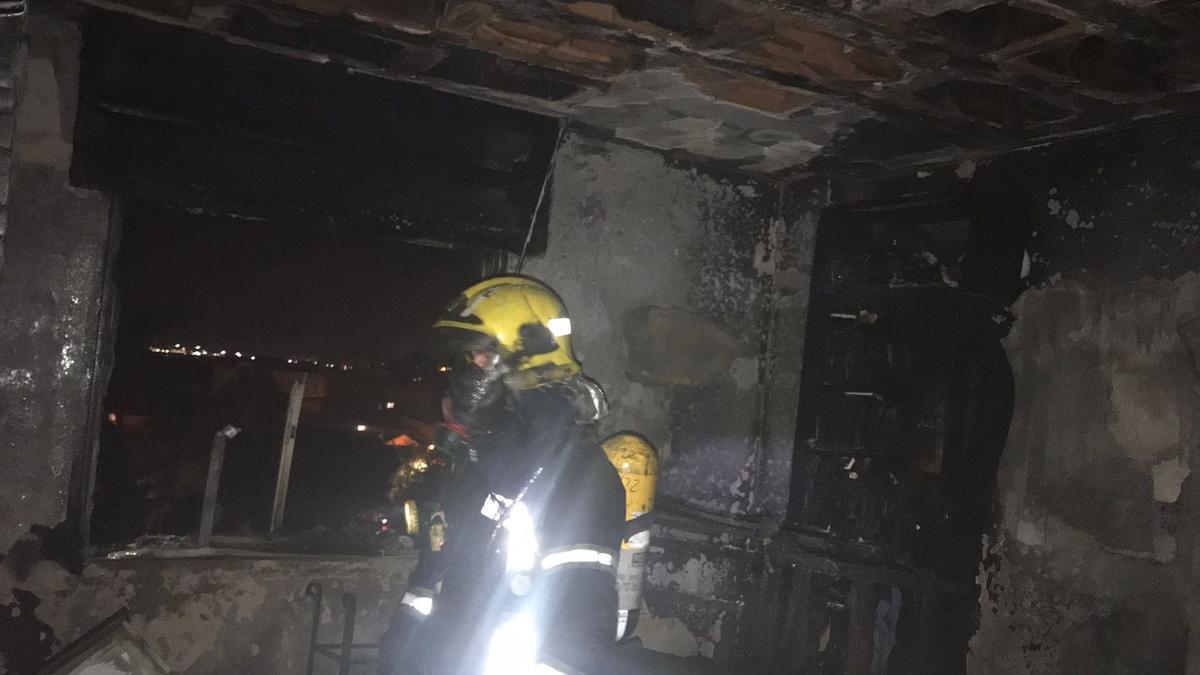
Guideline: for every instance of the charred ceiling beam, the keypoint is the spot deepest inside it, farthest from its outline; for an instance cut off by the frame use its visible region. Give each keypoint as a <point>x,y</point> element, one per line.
<point>848,158</point>
<point>987,71</point>
<point>382,52</point>
<point>831,55</point>
<point>403,55</point>
<point>1070,55</point>
<point>524,53</point>
<point>512,32</point>
<point>187,119</point>
<point>981,46</point>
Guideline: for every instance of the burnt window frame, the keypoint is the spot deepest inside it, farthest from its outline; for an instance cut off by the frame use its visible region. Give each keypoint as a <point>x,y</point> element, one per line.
<point>80,509</point>
<point>528,181</point>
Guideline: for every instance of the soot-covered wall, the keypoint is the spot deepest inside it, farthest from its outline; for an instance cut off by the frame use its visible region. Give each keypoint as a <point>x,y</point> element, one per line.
<point>1094,565</point>
<point>50,285</point>
<point>681,285</point>
<point>688,291</point>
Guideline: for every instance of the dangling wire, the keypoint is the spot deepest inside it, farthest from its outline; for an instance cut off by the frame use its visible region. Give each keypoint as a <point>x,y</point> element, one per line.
<point>562,128</point>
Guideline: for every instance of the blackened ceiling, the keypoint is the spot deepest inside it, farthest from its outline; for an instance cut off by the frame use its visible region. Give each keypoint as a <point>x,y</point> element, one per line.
<point>765,86</point>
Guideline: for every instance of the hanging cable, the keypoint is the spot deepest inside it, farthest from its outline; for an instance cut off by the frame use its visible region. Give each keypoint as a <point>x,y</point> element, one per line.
<point>562,128</point>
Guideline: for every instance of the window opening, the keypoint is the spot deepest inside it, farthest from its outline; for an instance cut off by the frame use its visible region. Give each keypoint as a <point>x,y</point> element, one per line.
<point>221,321</point>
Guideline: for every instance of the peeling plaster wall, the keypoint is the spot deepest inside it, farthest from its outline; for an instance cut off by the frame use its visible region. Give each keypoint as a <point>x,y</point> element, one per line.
<point>630,231</point>
<point>698,578</point>
<point>50,289</point>
<point>724,262</point>
<point>219,615</point>
<point>1094,566</point>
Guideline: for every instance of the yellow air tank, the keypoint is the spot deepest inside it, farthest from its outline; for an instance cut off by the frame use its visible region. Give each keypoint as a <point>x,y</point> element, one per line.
<point>637,463</point>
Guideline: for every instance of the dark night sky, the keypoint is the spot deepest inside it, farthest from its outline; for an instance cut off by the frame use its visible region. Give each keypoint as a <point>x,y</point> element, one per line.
<point>270,289</point>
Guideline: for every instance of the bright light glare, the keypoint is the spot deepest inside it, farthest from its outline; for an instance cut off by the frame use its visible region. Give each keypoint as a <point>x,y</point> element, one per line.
<point>522,539</point>
<point>412,518</point>
<point>513,648</point>
<point>422,604</point>
<point>389,405</point>
<point>580,556</point>
<point>559,327</point>
<point>361,427</point>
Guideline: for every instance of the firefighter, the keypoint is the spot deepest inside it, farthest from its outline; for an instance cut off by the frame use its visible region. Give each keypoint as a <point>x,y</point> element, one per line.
<point>519,415</point>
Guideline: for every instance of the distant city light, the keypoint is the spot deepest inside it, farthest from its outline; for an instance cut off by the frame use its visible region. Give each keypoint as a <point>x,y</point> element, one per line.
<point>443,369</point>
<point>432,446</point>
<point>389,405</point>
<point>199,350</point>
<point>361,427</point>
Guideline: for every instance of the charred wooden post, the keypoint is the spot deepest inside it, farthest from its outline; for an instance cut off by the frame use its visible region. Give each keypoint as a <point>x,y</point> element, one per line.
<point>215,461</point>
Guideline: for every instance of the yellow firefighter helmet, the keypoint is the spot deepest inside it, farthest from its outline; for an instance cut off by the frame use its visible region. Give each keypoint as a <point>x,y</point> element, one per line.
<point>518,317</point>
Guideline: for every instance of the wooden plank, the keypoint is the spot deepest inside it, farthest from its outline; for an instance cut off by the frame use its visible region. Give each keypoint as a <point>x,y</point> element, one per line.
<point>796,642</point>
<point>216,460</point>
<point>860,629</point>
<point>83,484</point>
<point>295,401</point>
<point>925,632</point>
<point>790,551</point>
<point>768,629</point>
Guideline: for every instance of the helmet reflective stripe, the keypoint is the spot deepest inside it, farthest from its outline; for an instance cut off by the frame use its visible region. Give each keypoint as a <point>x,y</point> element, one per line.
<point>593,557</point>
<point>559,327</point>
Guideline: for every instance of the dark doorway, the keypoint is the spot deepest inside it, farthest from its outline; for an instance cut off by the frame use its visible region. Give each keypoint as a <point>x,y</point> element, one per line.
<point>906,397</point>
